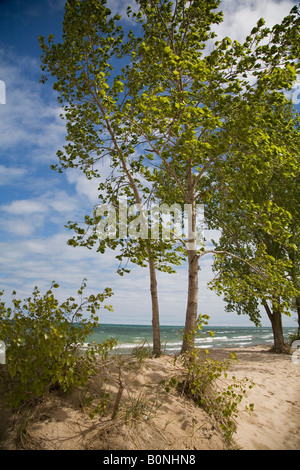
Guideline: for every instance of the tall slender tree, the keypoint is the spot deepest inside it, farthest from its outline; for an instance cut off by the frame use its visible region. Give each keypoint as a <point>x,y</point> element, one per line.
<point>95,103</point>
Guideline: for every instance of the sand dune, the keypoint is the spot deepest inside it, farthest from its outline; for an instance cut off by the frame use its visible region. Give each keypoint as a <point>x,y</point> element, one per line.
<point>149,418</point>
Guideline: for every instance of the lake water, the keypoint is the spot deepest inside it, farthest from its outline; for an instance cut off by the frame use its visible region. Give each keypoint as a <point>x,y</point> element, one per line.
<point>130,336</point>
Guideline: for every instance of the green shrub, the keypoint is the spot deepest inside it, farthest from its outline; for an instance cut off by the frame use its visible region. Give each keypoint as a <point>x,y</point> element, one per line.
<point>198,379</point>
<point>45,342</point>
<point>200,383</point>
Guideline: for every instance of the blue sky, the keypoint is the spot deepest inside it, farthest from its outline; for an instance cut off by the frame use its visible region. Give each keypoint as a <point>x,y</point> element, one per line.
<point>36,202</point>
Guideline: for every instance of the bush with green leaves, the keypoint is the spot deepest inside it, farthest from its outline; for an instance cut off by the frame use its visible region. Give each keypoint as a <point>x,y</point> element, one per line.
<point>201,378</point>
<point>46,342</point>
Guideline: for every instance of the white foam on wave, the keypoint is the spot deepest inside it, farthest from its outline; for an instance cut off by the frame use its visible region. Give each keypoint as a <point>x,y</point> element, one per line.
<point>238,338</point>
<point>204,340</point>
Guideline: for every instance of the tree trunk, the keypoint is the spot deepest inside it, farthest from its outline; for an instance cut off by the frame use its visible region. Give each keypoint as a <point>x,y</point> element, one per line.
<point>298,312</point>
<point>277,332</point>
<point>192,300</point>
<point>276,322</point>
<point>155,308</point>
<point>152,269</point>
<point>192,303</point>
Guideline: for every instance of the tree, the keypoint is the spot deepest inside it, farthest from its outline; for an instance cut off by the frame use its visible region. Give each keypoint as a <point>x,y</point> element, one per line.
<point>183,115</point>
<point>96,103</point>
<point>257,210</point>
<point>195,110</point>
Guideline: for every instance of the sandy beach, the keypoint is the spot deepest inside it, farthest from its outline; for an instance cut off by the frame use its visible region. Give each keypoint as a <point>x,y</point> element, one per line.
<point>275,422</point>
<point>149,418</point>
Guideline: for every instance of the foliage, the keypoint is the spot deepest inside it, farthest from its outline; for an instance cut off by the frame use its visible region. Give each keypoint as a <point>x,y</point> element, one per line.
<point>256,207</point>
<point>45,342</point>
<point>94,94</point>
<point>198,112</point>
<point>201,380</point>
<point>93,90</point>
<point>171,129</point>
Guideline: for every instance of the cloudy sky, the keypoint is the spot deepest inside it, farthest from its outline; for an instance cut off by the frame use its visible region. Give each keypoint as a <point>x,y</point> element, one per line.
<point>36,202</point>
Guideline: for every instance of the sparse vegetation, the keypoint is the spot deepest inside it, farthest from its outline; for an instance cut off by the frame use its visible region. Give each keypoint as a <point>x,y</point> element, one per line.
<point>202,379</point>
<point>45,343</point>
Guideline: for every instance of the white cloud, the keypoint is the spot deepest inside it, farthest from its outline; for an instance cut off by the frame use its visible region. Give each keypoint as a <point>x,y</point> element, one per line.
<point>119,7</point>
<point>61,202</point>
<point>211,235</point>
<point>29,216</point>
<point>23,207</point>
<point>11,176</point>
<point>240,16</point>
<point>22,227</point>
<point>84,187</point>
<point>29,119</point>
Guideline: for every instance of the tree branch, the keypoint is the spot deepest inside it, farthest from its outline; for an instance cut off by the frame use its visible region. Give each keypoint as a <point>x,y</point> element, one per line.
<point>224,252</point>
